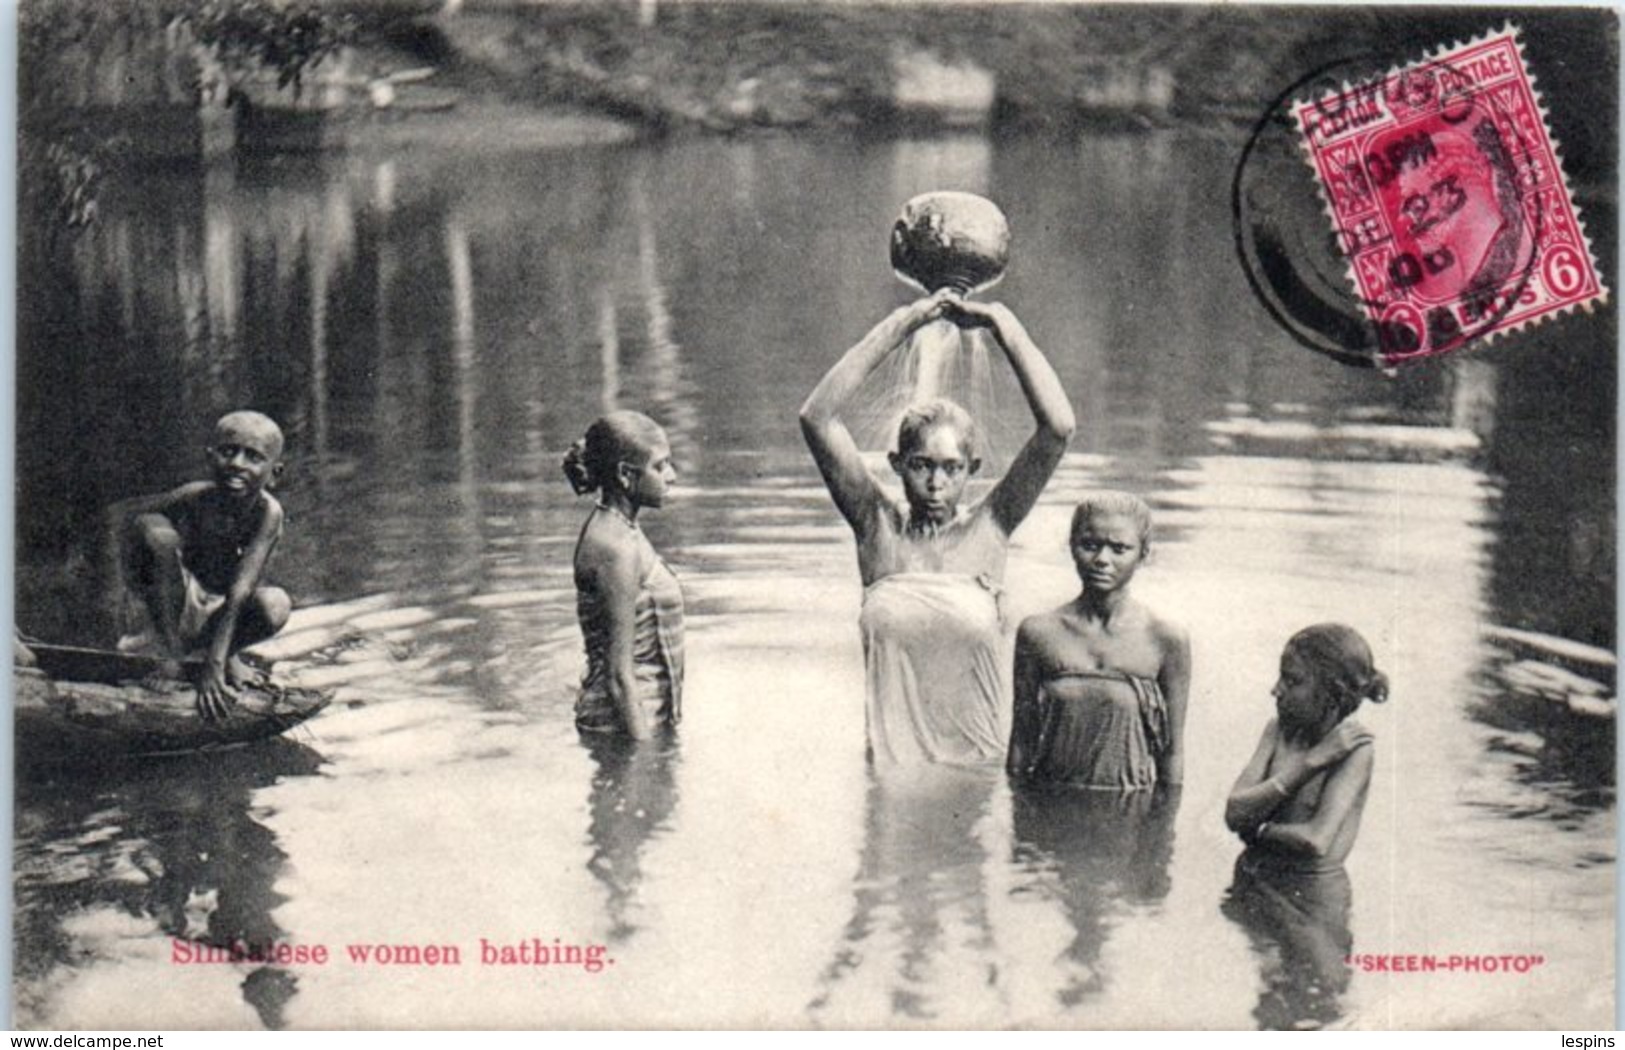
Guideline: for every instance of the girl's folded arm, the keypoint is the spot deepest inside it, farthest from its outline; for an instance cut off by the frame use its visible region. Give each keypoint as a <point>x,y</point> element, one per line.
<point>1345,787</point>
<point>1253,799</point>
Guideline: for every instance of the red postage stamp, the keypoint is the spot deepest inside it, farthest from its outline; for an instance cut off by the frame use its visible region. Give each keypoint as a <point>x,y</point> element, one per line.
<point>1448,200</point>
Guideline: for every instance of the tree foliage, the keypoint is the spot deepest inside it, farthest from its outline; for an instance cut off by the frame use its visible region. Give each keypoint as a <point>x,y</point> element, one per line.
<point>246,37</point>
<point>251,35</point>
<point>62,158</point>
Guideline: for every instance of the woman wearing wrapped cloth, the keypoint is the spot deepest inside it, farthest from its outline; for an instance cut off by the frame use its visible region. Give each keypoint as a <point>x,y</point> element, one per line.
<point>628,601</point>
<point>1102,682</point>
<point>932,569</point>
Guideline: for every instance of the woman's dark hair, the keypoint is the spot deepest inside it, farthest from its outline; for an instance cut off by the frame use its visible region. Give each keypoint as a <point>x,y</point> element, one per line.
<point>613,439</point>
<point>1342,665</point>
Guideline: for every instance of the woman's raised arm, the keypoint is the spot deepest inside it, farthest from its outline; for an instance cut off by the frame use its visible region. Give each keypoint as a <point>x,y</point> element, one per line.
<point>1030,471</point>
<point>833,449</point>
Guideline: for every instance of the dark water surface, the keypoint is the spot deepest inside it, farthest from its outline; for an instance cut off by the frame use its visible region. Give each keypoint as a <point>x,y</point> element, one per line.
<point>433,330</point>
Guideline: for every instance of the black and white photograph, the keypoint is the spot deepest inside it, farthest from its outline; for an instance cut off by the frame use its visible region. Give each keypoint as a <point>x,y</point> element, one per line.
<point>803,514</point>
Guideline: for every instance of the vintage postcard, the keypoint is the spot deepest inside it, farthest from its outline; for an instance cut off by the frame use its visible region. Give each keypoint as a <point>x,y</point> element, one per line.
<point>814,515</point>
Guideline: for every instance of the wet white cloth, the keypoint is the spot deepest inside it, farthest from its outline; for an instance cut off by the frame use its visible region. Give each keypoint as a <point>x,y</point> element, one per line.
<point>937,665</point>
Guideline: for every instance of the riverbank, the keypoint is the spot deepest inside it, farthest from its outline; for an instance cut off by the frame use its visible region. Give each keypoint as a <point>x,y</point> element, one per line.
<point>732,67</point>
<point>741,65</point>
<point>567,72</point>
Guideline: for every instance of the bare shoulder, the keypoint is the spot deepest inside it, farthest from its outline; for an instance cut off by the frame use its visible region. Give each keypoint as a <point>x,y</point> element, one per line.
<point>1039,642</point>
<point>1354,727</point>
<point>609,553</point>
<point>273,511</point>
<point>1040,629</point>
<point>188,493</point>
<point>1358,763</point>
<point>1170,634</point>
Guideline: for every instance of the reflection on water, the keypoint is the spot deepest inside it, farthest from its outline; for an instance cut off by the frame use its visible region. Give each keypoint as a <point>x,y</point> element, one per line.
<point>948,162</point>
<point>633,796</point>
<point>917,946</point>
<point>171,847</point>
<point>1101,854</point>
<point>1299,925</point>
<point>433,330</point>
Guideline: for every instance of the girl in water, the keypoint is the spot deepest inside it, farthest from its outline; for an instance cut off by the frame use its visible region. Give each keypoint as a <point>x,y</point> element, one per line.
<point>931,568</point>
<point>628,601</point>
<point>1101,683</point>
<point>1297,806</point>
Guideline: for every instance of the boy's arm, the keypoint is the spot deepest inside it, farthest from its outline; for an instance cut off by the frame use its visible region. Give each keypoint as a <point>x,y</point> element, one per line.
<point>1024,723</point>
<point>214,697</point>
<point>121,513</point>
<point>125,509</point>
<point>1175,681</point>
<point>1345,789</point>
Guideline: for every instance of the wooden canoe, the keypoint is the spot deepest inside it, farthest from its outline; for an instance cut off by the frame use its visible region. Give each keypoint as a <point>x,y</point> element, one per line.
<point>75,702</point>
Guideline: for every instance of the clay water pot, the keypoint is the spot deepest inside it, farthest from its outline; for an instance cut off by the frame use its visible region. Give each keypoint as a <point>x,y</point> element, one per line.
<point>950,240</point>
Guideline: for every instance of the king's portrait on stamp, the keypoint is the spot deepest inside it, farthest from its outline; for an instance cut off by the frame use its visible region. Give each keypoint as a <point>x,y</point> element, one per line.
<point>1449,200</point>
<point>803,515</point>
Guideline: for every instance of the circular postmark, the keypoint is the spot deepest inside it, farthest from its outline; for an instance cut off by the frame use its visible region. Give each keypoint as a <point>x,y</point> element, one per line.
<point>1382,217</point>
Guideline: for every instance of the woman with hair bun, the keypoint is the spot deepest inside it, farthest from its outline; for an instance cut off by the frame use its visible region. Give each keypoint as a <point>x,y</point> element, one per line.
<point>1297,806</point>
<point>628,601</point>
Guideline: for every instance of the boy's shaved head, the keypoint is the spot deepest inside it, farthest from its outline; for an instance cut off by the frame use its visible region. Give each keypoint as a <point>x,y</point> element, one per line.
<point>254,425</point>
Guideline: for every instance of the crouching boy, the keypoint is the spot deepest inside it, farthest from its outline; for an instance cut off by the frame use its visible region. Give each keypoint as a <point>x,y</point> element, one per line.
<point>195,557</point>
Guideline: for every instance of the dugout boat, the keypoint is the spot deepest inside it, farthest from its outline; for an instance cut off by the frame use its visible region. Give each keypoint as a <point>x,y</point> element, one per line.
<point>74,703</point>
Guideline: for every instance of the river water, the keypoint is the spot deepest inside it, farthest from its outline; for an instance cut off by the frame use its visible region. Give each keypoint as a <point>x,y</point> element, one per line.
<point>433,330</point>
